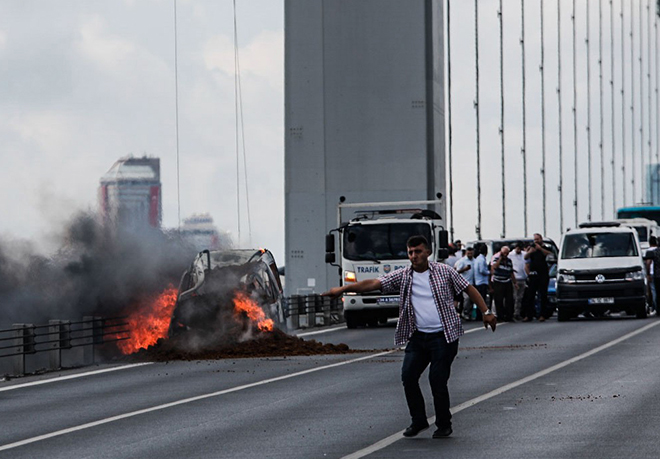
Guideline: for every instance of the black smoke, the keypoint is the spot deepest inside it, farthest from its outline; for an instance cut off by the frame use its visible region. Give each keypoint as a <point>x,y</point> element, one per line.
<point>97,270</point>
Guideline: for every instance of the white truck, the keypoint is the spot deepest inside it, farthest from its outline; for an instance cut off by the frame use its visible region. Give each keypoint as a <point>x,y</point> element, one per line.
<point>373,243</point>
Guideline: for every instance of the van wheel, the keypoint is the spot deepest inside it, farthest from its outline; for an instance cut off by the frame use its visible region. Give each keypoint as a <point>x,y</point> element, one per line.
<point>563,315</point>
<point>641,312</point>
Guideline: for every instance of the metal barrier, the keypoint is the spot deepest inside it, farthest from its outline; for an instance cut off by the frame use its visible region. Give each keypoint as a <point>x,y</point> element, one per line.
<point>59,335</point>
<point>313,309</point>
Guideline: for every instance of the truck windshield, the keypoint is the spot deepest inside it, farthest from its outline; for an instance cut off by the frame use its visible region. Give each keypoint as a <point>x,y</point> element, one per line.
<point>599,245</point>
<point>385,241</point>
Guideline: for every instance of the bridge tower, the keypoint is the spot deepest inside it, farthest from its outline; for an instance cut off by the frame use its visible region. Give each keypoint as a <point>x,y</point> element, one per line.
<point>364,117</point>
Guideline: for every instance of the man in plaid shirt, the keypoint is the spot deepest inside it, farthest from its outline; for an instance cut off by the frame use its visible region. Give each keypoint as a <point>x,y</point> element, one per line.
<point>430,326</point>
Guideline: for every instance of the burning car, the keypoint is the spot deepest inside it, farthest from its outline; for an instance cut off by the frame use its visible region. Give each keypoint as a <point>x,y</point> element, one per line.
<point>226,289</point>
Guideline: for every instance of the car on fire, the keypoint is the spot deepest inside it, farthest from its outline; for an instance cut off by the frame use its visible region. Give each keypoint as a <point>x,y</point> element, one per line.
<point>212,282</point>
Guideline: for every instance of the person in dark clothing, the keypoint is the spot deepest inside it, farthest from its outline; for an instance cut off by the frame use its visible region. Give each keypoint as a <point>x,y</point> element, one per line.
<point>504,282</point>
<point>537,281</point>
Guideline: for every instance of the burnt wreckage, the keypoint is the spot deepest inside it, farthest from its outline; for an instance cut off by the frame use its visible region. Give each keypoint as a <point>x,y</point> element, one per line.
<point>208,288</point>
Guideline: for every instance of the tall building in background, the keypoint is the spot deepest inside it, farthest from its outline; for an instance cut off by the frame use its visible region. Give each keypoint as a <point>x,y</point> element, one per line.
<point>364,117</point>
<point>130,193</point>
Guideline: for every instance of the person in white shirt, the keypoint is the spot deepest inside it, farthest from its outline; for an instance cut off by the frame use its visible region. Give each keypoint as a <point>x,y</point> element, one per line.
<point>518,259</point>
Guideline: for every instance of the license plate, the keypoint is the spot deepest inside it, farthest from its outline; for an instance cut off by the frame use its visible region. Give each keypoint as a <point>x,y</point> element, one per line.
<point>388,300</point>
<point>601,300</point>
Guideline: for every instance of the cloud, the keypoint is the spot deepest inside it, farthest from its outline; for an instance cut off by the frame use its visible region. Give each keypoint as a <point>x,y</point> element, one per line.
<point>263,57</point>
<point>3,39</point>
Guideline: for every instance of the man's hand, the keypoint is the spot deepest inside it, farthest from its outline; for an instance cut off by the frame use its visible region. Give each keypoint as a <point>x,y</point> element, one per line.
<point>333,292</point>
<point>490,320</point>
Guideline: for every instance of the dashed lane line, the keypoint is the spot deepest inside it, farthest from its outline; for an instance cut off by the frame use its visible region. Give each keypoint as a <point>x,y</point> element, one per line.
<point>385,442</point>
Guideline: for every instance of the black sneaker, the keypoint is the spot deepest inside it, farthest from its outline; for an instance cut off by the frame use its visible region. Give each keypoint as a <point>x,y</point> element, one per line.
<point>443,432</point>
<point>414,429</point>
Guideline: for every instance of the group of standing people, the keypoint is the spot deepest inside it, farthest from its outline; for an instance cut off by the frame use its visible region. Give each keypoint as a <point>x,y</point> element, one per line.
<point>512,280</point>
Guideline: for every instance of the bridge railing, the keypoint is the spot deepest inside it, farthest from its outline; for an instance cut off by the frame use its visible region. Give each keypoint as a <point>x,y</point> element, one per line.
<point>306,311</point>
<point>24,340</point>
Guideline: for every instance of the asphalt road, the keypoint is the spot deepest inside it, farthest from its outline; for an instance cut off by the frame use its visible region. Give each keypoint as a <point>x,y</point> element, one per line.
<point>587,388</point>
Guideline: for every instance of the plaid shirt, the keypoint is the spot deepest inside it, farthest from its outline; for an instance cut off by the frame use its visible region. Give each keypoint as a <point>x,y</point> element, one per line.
<point>445,282</point>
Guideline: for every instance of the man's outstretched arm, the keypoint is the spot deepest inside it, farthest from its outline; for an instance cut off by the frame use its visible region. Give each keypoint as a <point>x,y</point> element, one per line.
<point>489,319</point>
<point>366,285</point>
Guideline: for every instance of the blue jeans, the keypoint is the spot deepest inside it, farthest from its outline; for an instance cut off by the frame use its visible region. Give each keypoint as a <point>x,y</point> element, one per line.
<point>422,349</point>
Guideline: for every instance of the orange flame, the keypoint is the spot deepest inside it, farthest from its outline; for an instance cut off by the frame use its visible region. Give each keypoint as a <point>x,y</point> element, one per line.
<point>149,322</point>
<point>244,304</point>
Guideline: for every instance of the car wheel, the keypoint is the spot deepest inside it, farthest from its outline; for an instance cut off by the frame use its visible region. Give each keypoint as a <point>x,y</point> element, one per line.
<point>563,315</point>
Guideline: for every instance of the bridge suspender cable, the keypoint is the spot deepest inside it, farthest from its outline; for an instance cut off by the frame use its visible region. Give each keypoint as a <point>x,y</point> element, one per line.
<point>575,143</point>
<point>542,68</point>
<point>642,157</point>
<point>451,170</point>
<point>503,169</point>
<point>240,137</point>
<point>476,107</point>
<point>623,110</point>
<point>176,122</point>
<point>560,186</point>
<point>523,149</point>
<point>589,166</point>
<point>600,96</point>
<point>612,116</point>
<point>632,103</point>
<point>649,185</point>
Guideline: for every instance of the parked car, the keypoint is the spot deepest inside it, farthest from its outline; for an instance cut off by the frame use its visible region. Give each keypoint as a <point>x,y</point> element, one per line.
<point>494,246</point>
<point>600,270</point>
<point>209,286</point>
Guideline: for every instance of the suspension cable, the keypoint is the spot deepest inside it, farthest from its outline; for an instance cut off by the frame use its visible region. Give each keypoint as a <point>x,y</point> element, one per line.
<point>600,106</point>
<point>236,118</point>
<point>499,13</point>
<point>575,138</point>
<point>560,187</point>
<point>612,116</point>
<point>476,107</point>
<point>176,121</point>
<point>523,149</point>
<point>649,175</point>
<point>632,102</point>
<point>642,158</point>
<point>588,43</point>
<point>451,174</point>
<point>623,109</point>
<point>542,69</point>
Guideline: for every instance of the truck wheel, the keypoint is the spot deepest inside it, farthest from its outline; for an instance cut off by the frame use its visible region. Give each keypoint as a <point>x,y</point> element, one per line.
<point>563,315</point>
<point>372,322</point>
<point>353,320</point>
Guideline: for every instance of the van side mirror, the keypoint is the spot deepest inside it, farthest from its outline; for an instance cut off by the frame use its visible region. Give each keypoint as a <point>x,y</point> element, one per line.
<point>329,243</point>
<point>330,257</point>
<point>443,239</point>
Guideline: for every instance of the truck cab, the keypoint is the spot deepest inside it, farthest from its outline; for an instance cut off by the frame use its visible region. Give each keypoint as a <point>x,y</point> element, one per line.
<point>373,244</point>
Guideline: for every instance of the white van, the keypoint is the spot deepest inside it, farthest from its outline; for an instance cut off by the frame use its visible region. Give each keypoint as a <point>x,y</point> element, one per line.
<point>645,229</point>
<point>599,270</point>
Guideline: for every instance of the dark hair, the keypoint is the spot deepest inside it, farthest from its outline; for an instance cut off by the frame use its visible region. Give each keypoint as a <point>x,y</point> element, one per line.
<point>653,240</point>
<point>414,241</point>
<point>483,249</point>
<point>469,248</point>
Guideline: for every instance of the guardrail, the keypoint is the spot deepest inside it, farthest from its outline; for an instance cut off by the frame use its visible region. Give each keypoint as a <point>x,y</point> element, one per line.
<point>23,339</point>
<point>314,310</point>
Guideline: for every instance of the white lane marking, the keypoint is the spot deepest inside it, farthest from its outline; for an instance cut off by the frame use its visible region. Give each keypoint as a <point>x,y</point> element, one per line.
<point>183,401</point>
<point>77,375</point>
<point>385,442</point>
<point>318,332</point>
<point>343,327</point>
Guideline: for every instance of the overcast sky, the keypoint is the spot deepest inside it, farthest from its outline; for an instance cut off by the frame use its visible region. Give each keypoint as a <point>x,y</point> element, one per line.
<point>85,82</point>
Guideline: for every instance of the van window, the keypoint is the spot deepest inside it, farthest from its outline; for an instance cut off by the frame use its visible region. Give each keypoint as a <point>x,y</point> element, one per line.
<point>642,233</point>
<point>599,245</point>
